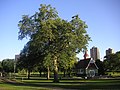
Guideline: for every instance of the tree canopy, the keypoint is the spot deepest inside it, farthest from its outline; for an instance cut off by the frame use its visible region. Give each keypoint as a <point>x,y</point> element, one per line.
<point>8,65</point>
<point>55,39</point>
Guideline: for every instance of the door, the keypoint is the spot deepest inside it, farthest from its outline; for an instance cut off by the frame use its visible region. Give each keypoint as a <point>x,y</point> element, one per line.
<point>91,73</point>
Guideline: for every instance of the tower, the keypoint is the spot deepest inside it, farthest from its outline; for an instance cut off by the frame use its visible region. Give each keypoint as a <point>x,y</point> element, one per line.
<point>85,55</point>
<point>94,53</point>
<point>109,51</point>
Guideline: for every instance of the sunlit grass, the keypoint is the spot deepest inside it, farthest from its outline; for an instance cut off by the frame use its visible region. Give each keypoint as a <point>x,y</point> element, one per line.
<point>44,84</point>
<point>19,86</point>
<point>114,74</point>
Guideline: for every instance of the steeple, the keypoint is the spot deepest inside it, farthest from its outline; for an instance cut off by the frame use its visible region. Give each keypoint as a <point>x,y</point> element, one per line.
<point>85,55</point>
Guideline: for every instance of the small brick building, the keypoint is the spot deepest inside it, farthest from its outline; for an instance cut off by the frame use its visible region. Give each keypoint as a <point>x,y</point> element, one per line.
<point>86,67</point>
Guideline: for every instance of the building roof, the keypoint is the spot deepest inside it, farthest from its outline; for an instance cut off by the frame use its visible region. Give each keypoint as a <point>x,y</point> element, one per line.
<point>83,63</point>
<point>86,63</point>
<point>92,64</point>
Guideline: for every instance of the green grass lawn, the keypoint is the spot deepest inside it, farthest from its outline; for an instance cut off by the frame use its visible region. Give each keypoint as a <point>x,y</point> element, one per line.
<point>18,85</point>
<point>42,84</point>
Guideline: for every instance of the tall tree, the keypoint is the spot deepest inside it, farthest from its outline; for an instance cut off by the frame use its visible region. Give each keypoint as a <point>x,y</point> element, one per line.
<point>54,36</point>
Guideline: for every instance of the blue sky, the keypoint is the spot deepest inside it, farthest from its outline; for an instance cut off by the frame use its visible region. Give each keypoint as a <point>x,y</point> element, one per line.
<point>101,16</point>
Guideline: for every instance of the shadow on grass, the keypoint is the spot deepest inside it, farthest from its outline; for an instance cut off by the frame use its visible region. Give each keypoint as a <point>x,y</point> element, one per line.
<point>69,84</point>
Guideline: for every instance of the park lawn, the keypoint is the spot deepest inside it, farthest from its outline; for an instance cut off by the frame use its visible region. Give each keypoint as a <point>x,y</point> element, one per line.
<point>18,86</point>
<point>5,86</point>
<point>63,84</point>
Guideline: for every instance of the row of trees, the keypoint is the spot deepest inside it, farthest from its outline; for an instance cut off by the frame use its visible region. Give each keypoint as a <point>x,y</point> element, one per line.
<point>111,63</point>
<point>53,42</point>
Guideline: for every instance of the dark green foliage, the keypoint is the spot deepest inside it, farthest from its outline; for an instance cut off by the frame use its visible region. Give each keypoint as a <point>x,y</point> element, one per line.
<point>29,58</point>
<point>1,68</point>
<point>112,62</point>
<point>8,65</point>
<point>100,65</point>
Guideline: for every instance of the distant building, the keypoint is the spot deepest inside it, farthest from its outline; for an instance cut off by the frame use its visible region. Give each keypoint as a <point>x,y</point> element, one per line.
<point>94,53</point>
<point>17,57</point>
<point>109,51</point>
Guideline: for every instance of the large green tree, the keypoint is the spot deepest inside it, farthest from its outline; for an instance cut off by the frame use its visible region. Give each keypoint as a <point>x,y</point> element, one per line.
<point>54,36</point>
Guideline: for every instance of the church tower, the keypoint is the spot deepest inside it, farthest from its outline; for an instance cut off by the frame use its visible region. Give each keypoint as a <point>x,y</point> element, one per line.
<point>86,55</point>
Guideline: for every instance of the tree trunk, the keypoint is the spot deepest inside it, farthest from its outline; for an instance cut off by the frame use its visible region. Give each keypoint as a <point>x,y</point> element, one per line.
<point>48,73</point>
<point>64,72</point>
<point>69,72</point>
<point>28,75</point>
<point>55,70</point>
<point>44,74</point>
<point>40,73</point>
